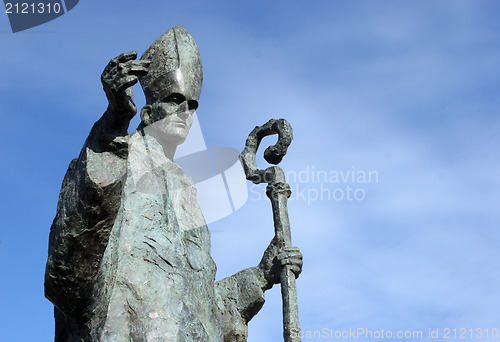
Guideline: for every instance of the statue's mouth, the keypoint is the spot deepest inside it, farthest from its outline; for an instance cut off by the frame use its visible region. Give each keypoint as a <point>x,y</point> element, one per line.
<point>179,123</point>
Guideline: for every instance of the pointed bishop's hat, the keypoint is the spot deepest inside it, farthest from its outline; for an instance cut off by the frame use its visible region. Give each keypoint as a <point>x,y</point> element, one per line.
<point>175,67</point>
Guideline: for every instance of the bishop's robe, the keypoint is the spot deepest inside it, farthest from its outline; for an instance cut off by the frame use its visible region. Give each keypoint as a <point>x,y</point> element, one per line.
<point>129,252</point>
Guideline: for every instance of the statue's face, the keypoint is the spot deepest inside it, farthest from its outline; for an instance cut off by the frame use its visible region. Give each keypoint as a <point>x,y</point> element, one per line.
<point>172,118</point>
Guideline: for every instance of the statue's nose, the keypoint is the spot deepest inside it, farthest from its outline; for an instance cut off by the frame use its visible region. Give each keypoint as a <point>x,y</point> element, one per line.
<point>183,110</point>
<point>183,107</point>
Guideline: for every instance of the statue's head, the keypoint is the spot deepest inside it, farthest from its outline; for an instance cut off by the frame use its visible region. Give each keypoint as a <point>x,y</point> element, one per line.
<point>173,84</point>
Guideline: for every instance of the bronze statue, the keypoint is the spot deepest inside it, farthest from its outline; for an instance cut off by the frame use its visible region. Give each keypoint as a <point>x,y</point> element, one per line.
<point>129,250</point>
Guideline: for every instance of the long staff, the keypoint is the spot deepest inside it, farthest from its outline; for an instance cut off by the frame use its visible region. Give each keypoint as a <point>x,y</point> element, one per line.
<point>278,192</point>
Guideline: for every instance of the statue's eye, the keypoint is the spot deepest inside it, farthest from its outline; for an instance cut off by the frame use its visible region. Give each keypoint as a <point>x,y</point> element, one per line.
<point>192,104</point>
<point>175,98</point>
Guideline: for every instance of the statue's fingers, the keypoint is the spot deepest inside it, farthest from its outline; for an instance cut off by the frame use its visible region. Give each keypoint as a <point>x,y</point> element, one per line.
<point>291,249</point>
<point>290,255</point>
<point>283,256</point>
<point>296,270</point>
<point>125,83</point>
<point>112,63</point>
<point>133,68</point>
<point>138,70</point>
<point>110,72</point>
<point>126,56</point>
<point>292,261</point>
<point>124,66</point>
<point>143,62</point>
<point>109,68</point>
<point>113,73</point>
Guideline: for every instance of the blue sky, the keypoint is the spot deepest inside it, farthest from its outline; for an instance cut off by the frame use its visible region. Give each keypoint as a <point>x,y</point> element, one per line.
<point>408,89</point>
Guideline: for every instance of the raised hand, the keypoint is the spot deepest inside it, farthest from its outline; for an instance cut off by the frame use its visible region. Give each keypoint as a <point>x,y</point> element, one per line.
<point>118,77</point>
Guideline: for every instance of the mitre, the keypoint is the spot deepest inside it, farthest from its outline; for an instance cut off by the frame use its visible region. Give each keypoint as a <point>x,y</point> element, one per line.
<point>175,67</point>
